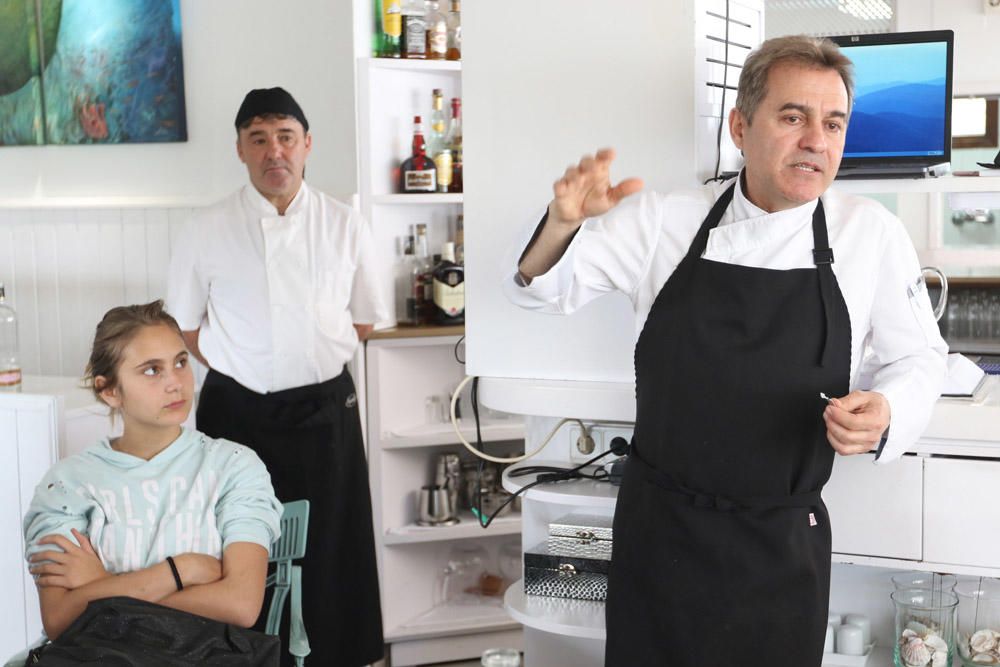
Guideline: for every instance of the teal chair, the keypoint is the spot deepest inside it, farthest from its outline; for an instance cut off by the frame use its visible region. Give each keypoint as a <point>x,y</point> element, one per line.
<point>287,578</point>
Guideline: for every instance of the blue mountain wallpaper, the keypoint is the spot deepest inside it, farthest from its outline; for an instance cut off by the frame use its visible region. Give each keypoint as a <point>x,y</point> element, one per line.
<point>900,98</point>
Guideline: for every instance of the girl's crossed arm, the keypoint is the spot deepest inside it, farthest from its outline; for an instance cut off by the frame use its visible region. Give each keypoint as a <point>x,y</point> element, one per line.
<point>71,578</point>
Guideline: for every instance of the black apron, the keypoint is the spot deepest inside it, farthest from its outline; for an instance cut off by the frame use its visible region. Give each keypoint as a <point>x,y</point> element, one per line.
<point>310,440</point>
<point>721,554</point>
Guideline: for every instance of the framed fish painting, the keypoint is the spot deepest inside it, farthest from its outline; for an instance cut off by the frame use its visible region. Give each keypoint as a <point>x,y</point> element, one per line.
<point>106,71</point>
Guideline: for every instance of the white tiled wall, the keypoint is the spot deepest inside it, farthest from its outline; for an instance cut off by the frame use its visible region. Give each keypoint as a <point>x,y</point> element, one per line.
<point>63,268</point>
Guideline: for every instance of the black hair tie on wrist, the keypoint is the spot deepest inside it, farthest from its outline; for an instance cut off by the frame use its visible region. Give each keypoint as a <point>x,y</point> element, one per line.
<point>177,575</point>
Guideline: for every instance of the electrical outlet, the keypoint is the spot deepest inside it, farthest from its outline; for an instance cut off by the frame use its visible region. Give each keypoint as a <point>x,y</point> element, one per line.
<point>577,454</point>
<point>991,7</point>
<point>602,435</point>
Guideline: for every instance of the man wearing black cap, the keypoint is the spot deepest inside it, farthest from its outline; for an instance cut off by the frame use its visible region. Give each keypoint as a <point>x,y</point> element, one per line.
<point>274,287</point>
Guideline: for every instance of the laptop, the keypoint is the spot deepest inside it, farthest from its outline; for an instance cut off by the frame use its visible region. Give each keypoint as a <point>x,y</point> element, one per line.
<point>900,125</point>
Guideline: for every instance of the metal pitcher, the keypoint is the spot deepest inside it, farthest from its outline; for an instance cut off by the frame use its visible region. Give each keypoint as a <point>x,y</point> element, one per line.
<point>943,299</point>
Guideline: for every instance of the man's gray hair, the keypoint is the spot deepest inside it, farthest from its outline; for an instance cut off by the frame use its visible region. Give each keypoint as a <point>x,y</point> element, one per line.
<point>812,52</point>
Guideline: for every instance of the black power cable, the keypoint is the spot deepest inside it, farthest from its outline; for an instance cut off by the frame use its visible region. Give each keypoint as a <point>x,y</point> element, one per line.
<point>722,111</point>
<point>552,474</point>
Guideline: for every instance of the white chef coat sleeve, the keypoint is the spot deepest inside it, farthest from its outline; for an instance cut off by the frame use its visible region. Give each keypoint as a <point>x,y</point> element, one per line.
<point>609,253</point>
<point>908,353</point>
<point>187,288</point>
<point>367,305</point>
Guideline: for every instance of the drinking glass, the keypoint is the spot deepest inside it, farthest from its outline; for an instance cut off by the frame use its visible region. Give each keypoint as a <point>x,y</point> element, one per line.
<point>933,581</point>
<point>977,314</point>
<point>993,313</point>
<point>501,657</point>
<point>459,579</point>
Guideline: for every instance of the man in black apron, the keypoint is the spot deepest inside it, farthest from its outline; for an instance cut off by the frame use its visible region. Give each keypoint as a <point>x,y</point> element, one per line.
<point>722,542</point>
<point>274,288</point>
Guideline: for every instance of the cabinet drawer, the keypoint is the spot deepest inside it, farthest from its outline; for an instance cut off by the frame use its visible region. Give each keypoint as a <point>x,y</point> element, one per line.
<point>876,510</point>
<point>962,512</point>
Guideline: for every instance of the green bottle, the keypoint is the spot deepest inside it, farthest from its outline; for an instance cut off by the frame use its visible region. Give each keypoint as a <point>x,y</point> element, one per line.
<point>388,28</point>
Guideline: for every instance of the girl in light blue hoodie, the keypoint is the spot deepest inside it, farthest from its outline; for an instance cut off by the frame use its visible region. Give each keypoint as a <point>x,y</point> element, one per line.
<point>181,519</point>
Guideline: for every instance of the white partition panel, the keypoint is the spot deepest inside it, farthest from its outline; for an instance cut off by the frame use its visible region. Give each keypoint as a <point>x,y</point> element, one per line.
<point>544,83</point>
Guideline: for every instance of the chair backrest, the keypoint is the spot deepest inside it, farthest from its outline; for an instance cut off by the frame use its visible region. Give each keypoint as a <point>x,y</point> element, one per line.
<point>294,526</point>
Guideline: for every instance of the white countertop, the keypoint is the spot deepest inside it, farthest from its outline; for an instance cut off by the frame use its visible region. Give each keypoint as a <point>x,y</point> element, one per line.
<point>957,427</point>
<point>75,394</point>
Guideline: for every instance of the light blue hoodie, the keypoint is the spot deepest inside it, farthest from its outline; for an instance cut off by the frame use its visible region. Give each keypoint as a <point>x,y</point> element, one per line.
<point>197,495</point>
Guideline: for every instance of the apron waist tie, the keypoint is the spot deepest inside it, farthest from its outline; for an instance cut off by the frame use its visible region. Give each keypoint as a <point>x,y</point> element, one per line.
<point>719,502</point>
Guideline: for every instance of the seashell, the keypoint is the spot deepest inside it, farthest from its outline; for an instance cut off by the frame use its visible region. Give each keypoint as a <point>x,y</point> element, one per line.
<point>918,627</point>
<point>935,643</point>
<point>907,633</point>
<point>939,659</point>
<point>983,641</point>
<point>984,659</point>
<point>914,653</point>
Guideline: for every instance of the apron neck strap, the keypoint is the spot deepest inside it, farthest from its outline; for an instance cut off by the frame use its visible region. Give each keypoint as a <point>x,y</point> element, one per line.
<point>823,259</point>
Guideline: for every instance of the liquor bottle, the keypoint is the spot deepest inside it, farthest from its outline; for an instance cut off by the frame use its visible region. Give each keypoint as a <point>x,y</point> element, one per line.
<point>417,174</point>
<point>449,288</point>
<point>460,239</point>
<point>439,123</point>
<point>454,141</point>
<point>455,31</point>
<point>437,31</point>
<point>444,163</point>
<point>414,30</point>
<point>420,283</point>
<point>404,274</point>
<point>10,367</point>
<point>390,25</point>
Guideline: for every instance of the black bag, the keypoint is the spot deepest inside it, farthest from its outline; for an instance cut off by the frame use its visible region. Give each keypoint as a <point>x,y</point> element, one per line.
<point>125,632</point>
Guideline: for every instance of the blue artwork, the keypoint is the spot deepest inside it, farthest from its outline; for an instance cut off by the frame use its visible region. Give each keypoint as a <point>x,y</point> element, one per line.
<point>97,71</point>
<point>899,100</point>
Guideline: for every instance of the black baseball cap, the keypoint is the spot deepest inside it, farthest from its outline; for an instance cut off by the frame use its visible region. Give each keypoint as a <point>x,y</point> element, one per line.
<point>260,101</point>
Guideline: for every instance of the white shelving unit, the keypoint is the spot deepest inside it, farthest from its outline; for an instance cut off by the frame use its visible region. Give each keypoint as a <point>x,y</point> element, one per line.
<point>390,93</point>
<point>419,627</point>
<point>403,368</point>
<point>943,184</point>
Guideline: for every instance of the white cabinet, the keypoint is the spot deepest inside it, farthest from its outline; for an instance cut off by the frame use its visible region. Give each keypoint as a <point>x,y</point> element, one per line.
<point>876,510</point>
<point>29,444</point>
<point>962,511</point>
<point>403,370</point>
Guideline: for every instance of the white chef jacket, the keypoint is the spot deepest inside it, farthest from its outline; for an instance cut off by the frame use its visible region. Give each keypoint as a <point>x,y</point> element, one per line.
<point>896,347</point>
<point>275,296</point>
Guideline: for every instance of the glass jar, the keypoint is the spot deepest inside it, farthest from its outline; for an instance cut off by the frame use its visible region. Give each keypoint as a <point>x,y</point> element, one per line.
<point>925,627</point>
<point>978,637</point>
<point>501,657</point>
<point>933,581</point>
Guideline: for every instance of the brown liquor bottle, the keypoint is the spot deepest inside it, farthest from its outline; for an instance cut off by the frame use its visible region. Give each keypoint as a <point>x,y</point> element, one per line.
<point>455,31</point>
<point>453,141</point>
<point>417,173</point>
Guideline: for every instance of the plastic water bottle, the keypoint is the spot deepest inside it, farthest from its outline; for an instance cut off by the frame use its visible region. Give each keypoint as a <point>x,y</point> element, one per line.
<point>10,366</point>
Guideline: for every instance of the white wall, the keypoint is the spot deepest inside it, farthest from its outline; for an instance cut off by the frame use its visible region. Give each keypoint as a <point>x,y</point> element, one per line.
<point>230,46</point>
<point>976,37</point>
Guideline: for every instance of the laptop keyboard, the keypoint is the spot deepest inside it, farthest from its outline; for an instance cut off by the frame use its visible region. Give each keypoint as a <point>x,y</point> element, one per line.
<point>988,362</point>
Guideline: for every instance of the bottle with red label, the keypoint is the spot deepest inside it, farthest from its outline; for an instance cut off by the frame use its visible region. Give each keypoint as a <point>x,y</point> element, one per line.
<point>418,173</point>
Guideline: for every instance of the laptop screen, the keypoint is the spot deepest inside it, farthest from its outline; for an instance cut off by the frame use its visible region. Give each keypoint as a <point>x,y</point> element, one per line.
<point>902,99</point>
